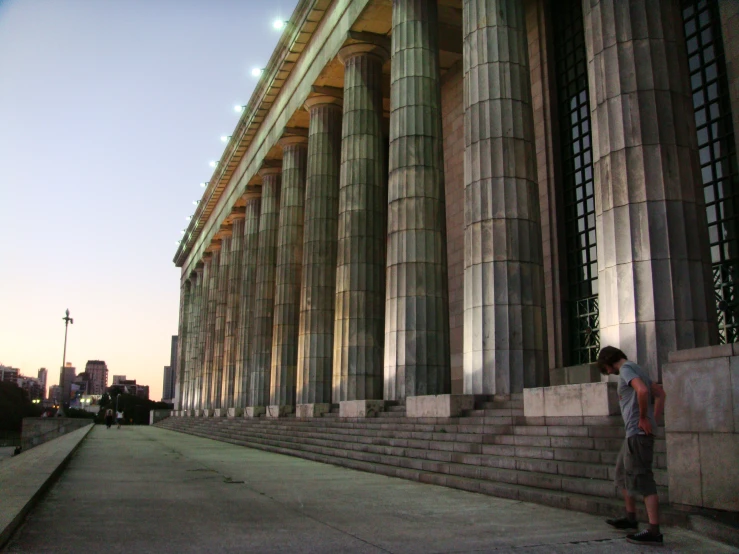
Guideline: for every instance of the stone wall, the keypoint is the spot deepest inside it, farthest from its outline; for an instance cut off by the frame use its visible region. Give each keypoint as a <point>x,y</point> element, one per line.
<point>452,112</point>
<point>38,430</point>
<point>702,426</point>
<point>158,415</point>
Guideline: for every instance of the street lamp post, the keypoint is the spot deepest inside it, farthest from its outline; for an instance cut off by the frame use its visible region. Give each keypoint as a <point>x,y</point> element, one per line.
<point>67,321</point>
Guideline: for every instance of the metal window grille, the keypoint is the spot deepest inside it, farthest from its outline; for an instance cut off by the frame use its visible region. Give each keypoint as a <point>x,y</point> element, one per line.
<point>717,152</point>
<point>577,175</point>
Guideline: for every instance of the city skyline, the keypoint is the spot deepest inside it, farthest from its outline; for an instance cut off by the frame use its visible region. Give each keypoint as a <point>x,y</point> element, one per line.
<point>94,123</point>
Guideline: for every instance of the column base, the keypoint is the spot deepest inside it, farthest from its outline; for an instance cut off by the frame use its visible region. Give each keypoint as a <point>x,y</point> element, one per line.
<point>277,410</point>
<point>312,410</point>
<point>255,411</point>
<point>208,413</point>
<point>361,408</point>
<point>235,412</point>
<point>220,412</point>
<point>438,405</point>
<point>586,399</point>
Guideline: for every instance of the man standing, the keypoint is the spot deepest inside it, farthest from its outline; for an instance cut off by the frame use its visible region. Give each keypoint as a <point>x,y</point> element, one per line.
<point>634,464</point>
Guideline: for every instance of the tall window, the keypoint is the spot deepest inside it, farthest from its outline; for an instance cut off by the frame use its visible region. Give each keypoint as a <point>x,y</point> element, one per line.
<point>717,151</point>
<point>577,172</point>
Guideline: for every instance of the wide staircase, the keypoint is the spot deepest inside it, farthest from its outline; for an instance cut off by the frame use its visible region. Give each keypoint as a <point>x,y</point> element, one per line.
<point>564,462</point>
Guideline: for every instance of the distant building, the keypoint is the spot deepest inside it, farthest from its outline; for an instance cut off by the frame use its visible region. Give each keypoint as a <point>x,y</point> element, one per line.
<point>81,384</point>
<point>42,376</point>
<point>118,379</point>
<point>69,372</point>
<point>168,388</point>
<point>98,376</point>
<point>128,386</point>
<point>31,385</point>
<point>8,374</point>
<point>55,393</point>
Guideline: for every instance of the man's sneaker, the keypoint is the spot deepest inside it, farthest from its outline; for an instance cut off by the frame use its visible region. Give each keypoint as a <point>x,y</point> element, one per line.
<point>622,523</point>
<point>645,537</point>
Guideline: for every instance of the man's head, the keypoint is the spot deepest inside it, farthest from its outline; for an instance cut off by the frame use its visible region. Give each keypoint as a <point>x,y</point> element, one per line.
<point>608,360</point>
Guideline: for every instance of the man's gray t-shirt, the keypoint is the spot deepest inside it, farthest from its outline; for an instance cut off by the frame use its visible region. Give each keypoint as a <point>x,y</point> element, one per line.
<point>629,400</point>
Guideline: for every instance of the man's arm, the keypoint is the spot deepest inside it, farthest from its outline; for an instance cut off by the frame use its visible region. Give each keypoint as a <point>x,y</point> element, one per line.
<point>642,395</point>
<point>659,400</point>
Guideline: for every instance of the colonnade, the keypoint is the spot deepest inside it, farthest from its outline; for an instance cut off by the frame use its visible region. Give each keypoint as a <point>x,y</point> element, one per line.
<point>332,284</point>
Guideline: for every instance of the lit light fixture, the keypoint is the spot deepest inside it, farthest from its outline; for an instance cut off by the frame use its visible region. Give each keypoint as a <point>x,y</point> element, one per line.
<point>196,202</point>
<point>257,72</point>
<point>188,218</point>
<point>178,242</point>
<point>239,109</point>
<point>225,138</point>
<point>204,184</point>
<point>279,24</point>
<point>213,164</point>
<point>182,232</point>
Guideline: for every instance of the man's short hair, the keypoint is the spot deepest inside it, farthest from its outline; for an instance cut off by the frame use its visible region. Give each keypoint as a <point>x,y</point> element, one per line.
<point>609,355</point>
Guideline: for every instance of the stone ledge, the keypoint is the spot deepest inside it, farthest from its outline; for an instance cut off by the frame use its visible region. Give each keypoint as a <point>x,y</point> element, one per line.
<point>440,405</point>
<point>24,478</point>
<point>585,399</point>
<point>220,412</point>
<point>235,412</point>
<point>312,410</point>
<point>692,354</point>
<point>361,408</point>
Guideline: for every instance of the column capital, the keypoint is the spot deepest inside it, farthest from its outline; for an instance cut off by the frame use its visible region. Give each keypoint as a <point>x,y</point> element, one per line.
<point>270,169</point>
<point>239,212</point>
<point>290,140</point>
<point>364,49</point>
<point>214,246</point>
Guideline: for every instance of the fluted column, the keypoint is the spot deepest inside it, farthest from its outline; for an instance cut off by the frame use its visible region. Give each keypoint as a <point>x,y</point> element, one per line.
<point>264,299</point>
<point>210,330</point>
<point>191,342</point>
<point>360,265</point>
<point>203,330</point>
<point>288,273</point>
<point>653,259</point>
<point>318,295</point>
<point>180,362</point>
<point>233,306</point>
<point>504,334</point>
<point>219,328</point>
<point>195,342</point>
<point>248,288</point>
<point>417,358</point>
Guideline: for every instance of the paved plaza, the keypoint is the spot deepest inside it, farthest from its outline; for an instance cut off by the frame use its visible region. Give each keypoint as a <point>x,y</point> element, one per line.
<point>145,489</point>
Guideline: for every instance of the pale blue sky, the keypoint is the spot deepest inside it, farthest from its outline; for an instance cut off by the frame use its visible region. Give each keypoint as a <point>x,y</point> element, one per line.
<point>110,111</point>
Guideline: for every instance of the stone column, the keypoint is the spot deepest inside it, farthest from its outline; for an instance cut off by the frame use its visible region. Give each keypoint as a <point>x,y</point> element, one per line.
<point>233,306</point>
<point>180,367</point>
<point>318,295</point>
<point>288,275</point>
<point>264,299</point>
<point>210,332</point>
<point>417,359</point>
<point>246,314</point>
<point>504,333</point>
<point>203,331</point>
<point>729,13</point>
<point>653,266</point>
<point>196,339</point>
<point>220,324</point>
<point>191,340</point>
<point>360,266</point>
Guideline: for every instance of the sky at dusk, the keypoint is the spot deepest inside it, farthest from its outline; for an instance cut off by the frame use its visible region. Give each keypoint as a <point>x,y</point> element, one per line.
<point>110,111</point>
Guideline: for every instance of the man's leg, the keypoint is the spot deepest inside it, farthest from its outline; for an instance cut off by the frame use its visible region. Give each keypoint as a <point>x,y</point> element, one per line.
<point>640,480</point>
<point>629,520</point>
<point>652,504</point>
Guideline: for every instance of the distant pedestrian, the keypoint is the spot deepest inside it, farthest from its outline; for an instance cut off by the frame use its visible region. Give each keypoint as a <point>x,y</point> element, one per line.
<point>119,418</point>
<point>109,418</point>
<point>634,464</point>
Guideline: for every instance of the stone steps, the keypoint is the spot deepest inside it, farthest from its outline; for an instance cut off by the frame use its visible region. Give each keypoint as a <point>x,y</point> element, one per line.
<point>520,472</point>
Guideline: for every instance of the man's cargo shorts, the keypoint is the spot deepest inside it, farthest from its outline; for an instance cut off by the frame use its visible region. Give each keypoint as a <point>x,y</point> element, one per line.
<point>634,466</point>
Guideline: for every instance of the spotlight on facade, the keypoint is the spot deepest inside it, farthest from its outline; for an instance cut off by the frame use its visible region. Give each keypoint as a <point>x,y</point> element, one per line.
<point>257,72</point>
<point>225,138</point>
<point>204,184</point>
<point>239,109</point>
<point>196,202</point>
<point>188,218</point>
<point>279,24</point>
<point>213,164</point>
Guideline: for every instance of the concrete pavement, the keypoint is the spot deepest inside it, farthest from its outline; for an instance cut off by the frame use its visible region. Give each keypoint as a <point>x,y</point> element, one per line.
<point>145,489</point>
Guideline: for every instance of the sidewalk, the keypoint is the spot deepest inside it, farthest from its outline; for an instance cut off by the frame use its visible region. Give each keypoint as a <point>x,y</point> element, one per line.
<point>145,489</point>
